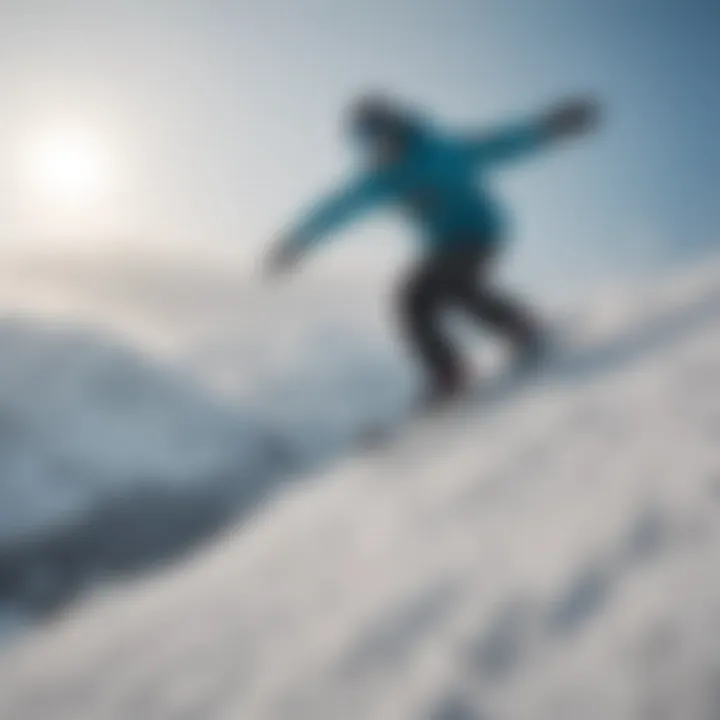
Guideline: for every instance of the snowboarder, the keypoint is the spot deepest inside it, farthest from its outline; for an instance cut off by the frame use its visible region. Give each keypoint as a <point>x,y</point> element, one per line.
<point>433,175</point>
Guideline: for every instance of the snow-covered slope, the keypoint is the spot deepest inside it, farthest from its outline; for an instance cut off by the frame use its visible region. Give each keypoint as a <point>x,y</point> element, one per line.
<point>552,554</point>
<point>143,406</point>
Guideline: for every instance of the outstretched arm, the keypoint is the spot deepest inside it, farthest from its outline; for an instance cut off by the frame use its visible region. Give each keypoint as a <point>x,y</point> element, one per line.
<point>567,119</point>
<point>329,215</point>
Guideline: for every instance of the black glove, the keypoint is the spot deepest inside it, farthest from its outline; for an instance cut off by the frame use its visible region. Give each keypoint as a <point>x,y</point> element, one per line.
<point>574,117</point>
<point>283,256</point>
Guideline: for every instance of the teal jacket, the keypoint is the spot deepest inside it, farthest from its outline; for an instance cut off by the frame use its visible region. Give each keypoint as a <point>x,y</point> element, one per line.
<point>438,181</point>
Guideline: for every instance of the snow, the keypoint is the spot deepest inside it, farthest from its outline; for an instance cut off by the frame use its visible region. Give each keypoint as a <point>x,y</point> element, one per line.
<point>549,554</point>
<point>145,401</point>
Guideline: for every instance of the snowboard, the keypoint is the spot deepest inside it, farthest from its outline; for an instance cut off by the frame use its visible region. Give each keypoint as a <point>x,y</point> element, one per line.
<point>480,395</point>
<point>486,392</point>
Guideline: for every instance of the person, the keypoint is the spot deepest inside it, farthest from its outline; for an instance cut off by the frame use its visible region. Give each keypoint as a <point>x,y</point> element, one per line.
<point>436,177</point>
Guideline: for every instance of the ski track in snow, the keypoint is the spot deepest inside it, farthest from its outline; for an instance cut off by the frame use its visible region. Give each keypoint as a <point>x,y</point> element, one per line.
<point>550,554</point>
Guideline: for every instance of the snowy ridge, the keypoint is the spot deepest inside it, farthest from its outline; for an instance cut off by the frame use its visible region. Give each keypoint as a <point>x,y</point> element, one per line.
<point>552,556</point>
<point>142,407</point>
<point>108,460</point>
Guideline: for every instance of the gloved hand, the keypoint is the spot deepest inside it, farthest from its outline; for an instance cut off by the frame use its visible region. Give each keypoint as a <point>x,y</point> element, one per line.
<point>573,117</point>
<point>282,258</point>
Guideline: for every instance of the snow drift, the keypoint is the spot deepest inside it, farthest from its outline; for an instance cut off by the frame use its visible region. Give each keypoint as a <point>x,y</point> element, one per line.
<point>550,554</point>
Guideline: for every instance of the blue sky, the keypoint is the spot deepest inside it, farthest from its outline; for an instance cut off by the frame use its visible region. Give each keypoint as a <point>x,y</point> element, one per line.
<point>224,115</point>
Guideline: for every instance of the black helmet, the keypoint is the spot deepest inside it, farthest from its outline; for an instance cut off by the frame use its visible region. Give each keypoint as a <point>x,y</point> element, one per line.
<point>375,115</point>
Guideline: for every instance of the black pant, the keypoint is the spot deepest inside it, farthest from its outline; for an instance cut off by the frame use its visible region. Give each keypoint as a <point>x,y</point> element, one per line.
<point>456,277</point>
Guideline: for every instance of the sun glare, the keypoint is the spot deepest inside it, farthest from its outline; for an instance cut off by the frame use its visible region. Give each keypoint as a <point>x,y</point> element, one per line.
<point>68,169</point>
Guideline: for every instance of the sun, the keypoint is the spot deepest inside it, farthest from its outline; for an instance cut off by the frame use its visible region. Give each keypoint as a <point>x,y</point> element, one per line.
<point>69,186</point>
<point>68,168</point>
